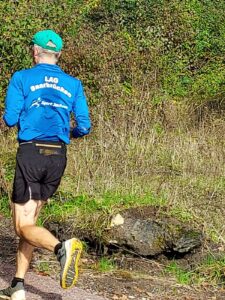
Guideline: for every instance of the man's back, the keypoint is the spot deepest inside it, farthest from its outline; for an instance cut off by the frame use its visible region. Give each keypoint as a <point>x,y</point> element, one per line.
<point>41,99</point>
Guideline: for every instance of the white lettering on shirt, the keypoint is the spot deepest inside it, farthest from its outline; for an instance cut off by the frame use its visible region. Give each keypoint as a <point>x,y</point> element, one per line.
<point>51,83</point>
<point>51,79</point>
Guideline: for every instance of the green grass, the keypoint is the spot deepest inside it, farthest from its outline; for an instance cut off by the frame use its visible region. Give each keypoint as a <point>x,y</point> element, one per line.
<point>181,214</point>
<point>43,268</point>
<point>105,265</point>
<point>210,271</point>
<point>4,206</point>
<point>64,205</point>
<point>182,276</point>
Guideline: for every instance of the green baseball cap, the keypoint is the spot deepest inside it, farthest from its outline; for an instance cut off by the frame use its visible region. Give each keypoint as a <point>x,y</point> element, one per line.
<point>48,39</point>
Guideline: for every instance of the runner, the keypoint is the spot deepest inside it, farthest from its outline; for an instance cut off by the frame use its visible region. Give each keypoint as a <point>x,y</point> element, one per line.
<point>39,101</point>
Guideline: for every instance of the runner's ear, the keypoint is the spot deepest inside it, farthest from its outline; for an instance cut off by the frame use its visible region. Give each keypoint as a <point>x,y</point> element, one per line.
<point>59,54</point>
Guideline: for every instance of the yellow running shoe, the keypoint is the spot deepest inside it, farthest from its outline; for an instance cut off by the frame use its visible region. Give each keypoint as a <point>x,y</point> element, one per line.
<point>68,256</point>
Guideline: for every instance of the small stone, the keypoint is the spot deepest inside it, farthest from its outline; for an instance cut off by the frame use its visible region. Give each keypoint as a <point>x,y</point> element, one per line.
<point>117,220</point>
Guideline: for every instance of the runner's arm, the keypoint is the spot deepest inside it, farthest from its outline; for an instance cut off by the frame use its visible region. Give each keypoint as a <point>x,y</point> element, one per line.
<point>14,101</point>
<point>81,114</point>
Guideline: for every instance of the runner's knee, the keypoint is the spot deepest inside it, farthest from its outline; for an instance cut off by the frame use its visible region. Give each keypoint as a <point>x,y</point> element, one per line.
<point>25,215</point>
<point>20,227</point>
<point>18,230</point>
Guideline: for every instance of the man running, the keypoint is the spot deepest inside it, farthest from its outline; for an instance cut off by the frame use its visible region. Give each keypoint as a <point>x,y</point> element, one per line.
<point>39,101</point>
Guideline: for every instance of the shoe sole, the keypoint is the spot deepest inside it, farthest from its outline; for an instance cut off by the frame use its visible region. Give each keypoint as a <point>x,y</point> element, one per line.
<point>70,271</point>
<point>18,295</point>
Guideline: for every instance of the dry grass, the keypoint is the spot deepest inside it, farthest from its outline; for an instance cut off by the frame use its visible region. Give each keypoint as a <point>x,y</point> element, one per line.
<point>184,166</point>
<point>127,154</point>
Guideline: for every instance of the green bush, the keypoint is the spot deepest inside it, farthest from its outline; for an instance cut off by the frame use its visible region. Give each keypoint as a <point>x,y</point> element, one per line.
<point>174,49</point>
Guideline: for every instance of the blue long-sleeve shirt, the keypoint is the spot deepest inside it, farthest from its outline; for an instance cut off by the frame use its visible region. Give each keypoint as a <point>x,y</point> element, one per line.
<point>40,100</point>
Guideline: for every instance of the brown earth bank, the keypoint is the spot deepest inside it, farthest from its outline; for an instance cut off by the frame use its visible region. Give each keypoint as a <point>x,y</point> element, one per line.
<point>134,278</point>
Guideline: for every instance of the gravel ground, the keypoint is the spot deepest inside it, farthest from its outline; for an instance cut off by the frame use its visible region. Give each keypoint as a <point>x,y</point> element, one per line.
<point>44,287</point>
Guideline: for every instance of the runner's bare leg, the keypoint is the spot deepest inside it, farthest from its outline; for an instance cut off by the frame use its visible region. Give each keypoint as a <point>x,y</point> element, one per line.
<point>23,258</point>
<point>25,217</point>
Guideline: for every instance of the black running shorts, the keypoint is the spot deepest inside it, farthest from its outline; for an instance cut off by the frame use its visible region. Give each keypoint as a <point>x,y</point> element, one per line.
<point>39,168</point>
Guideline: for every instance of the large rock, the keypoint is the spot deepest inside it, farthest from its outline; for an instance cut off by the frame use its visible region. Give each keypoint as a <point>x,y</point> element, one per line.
<point>144,237</point>
<point>147,233</point>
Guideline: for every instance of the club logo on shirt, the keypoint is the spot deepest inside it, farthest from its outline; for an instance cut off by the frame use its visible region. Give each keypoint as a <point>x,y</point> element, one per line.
<point>36,103</point>
<point>40,102</point>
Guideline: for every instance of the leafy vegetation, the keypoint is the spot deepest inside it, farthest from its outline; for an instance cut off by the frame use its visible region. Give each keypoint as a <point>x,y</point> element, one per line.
<point>153,72</point>
<point>180,42</point>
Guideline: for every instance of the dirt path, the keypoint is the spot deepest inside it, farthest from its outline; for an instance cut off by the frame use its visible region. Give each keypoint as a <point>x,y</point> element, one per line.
<point>44,287</point>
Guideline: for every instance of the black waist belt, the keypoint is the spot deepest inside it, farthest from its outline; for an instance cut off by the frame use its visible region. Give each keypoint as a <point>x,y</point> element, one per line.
<point>46,144</point>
